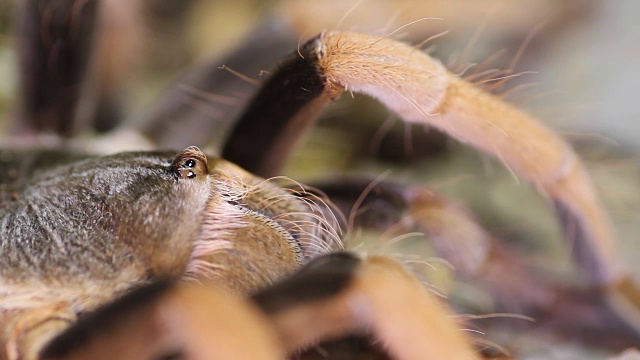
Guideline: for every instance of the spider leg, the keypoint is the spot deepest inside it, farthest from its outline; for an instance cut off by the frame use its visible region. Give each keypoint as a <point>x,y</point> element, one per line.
<point>169,320</point>
<point>474,253</point>
<point>420,90</point>
<point>338,295</point>
<point>332,297</point>
<point>55,48</point>
<point>289,102</point>
<point>25,333</point>
<point>207,98</point>
<point>481,259</point>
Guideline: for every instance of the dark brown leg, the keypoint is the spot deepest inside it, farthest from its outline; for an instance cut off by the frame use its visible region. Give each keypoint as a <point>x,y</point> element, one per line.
<point>55,44</point>
<point>476,255</point>
<point>287,105</point>
<point>587,315</point>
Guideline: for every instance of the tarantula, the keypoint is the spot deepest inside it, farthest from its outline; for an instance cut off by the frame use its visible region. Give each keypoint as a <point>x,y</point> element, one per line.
<point>177,254</point>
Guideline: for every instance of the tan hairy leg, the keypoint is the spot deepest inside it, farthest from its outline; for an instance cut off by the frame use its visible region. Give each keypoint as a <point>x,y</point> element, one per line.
<point>339,295</point>
<point>169,319</point>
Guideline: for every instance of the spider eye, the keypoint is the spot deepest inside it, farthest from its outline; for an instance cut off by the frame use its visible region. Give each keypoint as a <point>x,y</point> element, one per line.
<point>190,163</point>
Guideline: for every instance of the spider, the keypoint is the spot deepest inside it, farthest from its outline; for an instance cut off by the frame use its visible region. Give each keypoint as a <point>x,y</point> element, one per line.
<point>181,254</point>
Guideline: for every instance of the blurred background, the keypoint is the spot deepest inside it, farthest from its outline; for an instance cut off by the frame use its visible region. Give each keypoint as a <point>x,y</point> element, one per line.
<point>586,52</point>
